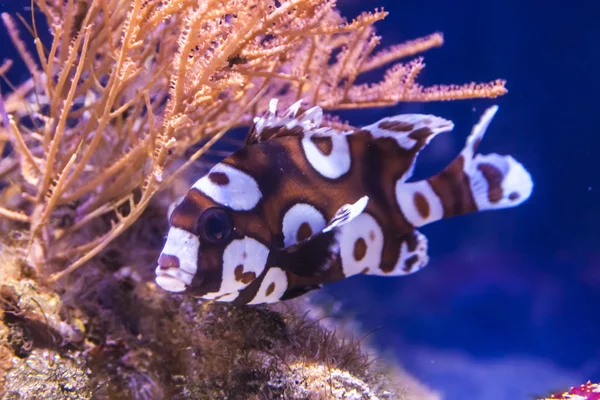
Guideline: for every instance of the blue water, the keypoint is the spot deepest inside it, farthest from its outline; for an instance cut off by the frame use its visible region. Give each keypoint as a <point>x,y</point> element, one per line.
<point>510,299</point>
<point>508,306</point>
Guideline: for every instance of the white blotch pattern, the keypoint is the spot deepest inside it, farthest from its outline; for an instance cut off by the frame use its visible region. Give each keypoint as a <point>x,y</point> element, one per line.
<point>405,196</point>
<point>366,227</point>
<point>420,251</point>
<point>228,297</point>
<point>333,165</point>
<point>249,253</point>
<point>274,276</point>
<point>516,181</point>
<point>419,121</point>
<point>297,215</point>
<point>184,246</point>
<point>241,193</point>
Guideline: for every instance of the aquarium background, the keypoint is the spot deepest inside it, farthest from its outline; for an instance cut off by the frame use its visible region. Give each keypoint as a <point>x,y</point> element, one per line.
<point>508,306</point>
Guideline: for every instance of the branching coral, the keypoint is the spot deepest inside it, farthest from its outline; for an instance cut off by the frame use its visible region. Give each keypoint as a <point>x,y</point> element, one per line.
<point>116,103</point>
<point>127,87</point>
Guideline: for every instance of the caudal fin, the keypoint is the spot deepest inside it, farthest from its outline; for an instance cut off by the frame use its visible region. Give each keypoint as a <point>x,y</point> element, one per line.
<point>472,182</point>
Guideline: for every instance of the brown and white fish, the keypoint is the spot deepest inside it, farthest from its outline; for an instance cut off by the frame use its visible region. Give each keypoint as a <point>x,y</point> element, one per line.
<point>301,205</point>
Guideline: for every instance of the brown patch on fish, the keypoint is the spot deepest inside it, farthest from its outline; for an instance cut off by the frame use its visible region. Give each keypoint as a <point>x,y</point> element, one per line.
<point>244,277</point>
<point>360,249</point>
<point>304,232</point>
<point>396,126</point>
<point>422,205</point>
<point>219,178</point>
<point>410,262</point>
<point>452,188</point>
<point>421,134</point>
<point>323,143</point>
<point>493,176</point>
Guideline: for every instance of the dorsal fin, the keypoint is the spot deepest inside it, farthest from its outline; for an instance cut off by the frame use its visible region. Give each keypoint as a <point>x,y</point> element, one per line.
<point>272,125</point>
<point>412,132</point>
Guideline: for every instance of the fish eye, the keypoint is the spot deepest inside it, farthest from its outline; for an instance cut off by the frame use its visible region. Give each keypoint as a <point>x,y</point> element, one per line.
<point>214,225</point>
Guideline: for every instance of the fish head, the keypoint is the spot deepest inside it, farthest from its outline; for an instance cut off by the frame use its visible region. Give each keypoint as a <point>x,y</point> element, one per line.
<point>193,250</point>
<point>211,248</point>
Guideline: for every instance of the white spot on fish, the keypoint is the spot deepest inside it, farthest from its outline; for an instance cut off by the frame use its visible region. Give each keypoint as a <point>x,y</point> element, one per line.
<point>408,196</point>
<point>245,257</point>
<point>184,246</point>
<point>299,219</point>
<point>332,162</point>
<point>361,245</point>
<point>272,287</point>
<point>230,187</point>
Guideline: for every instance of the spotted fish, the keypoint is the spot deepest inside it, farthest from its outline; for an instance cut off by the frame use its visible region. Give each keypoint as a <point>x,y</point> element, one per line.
<point>300,205</point>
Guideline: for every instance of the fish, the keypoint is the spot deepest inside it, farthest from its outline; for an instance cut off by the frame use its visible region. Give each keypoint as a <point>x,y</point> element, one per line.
<point>302,204</point>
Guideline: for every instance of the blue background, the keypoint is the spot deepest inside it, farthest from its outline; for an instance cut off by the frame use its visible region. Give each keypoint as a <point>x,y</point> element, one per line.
<point>508,306</point>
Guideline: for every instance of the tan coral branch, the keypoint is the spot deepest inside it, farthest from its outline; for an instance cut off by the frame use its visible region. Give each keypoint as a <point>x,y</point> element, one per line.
<point>403,50</point>
<point>14,215</point>
<point>5,66</point>
<point>60,128</point>
<point>13,32</point>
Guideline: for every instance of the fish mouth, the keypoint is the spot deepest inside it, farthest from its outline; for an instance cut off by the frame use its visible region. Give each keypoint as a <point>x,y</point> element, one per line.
<point>170,276</point>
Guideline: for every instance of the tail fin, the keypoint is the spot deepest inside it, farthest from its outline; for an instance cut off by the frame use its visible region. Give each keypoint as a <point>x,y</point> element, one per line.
<point>470,183</point>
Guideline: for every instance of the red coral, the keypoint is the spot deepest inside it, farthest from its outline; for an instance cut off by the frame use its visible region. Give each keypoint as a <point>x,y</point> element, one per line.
<point>587,391</point>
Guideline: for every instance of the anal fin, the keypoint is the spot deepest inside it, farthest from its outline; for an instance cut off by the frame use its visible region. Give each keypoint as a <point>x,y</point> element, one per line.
<point>299,291</point>
<point>413,254</point>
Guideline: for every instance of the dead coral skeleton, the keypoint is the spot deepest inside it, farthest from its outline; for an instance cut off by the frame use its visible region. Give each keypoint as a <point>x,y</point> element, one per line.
<point>330,383</point>
<point>127,87</point>
<point>45,374</point>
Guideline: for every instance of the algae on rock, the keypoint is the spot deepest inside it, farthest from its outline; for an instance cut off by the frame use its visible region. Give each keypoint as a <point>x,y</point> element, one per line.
<point>115,336</point>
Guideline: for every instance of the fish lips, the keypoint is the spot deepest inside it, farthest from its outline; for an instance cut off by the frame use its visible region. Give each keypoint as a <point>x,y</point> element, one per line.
<point>171,276</point>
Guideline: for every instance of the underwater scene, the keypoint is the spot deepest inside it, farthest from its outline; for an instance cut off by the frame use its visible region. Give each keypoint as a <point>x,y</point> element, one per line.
<point>299,199</point>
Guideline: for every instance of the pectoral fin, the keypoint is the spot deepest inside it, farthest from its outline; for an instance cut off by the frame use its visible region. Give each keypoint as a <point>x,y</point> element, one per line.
<point>313,256</point>
<point>347,213</point>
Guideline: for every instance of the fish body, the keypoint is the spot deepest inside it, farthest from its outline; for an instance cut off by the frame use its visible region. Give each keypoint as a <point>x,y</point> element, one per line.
<point>301,205</point>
